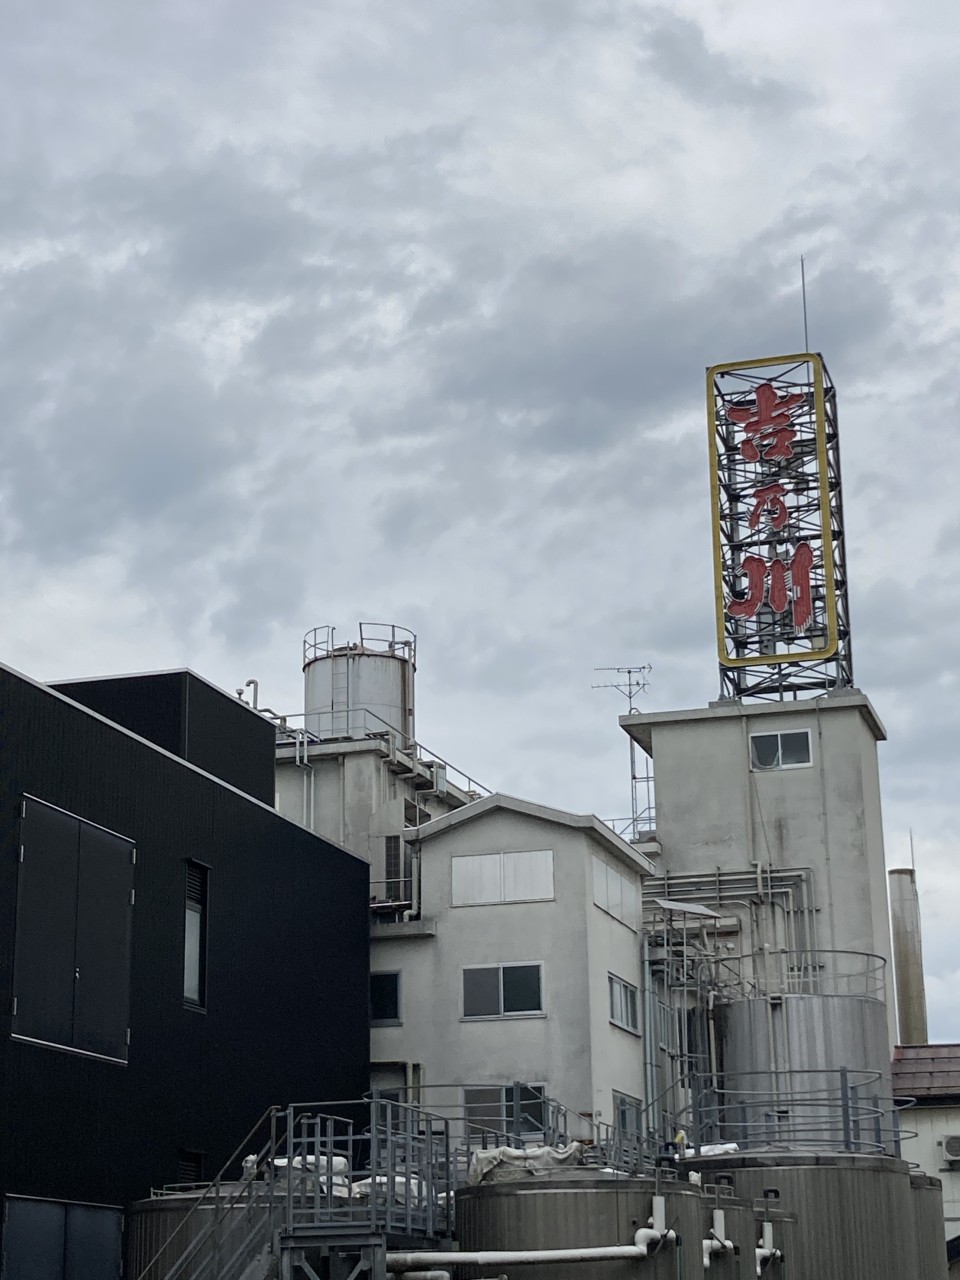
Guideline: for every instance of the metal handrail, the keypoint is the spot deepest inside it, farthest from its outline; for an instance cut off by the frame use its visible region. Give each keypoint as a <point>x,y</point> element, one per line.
<point>361,722</point>
<point>805,972</point>
<point>396,1176</point>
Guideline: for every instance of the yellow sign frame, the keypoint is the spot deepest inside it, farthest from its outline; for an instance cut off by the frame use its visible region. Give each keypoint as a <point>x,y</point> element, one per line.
<point>826,543</point>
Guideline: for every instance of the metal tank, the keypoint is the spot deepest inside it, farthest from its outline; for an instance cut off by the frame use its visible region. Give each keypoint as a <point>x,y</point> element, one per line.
<point>927,1196</point>
<point>856,1215</point>
<point>361,688</point>
<point>161,1229</point>
<point>569,1210</point>
<point>790,1024</point>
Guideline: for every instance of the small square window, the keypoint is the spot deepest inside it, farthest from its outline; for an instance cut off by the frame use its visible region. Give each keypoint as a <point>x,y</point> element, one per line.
<point>780,750</point>
<point>481,993</point>
<point>385,998</point>
<point>521,988</point>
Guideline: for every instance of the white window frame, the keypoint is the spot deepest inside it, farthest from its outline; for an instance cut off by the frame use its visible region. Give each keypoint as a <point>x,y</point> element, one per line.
<point>625,989</point>
<point>780,768</point>
<point>610,870</point>
<point>500,899</point>
<point>496,1017</point>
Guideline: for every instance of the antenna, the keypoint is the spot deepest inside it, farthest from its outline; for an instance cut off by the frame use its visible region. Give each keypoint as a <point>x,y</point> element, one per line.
<point>633,680</point>
<point>803,294</point>
<point>913,860</point>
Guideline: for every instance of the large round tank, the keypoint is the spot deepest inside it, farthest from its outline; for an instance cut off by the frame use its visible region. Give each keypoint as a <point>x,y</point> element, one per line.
<point>927,1196</point>
<point>160,1230</point>
<point>856,1217</point>
<point>571,1210</point>
<point>789,1032</point>
<point>361,688</point>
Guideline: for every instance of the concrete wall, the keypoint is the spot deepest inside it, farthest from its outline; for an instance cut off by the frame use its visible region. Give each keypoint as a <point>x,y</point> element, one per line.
<point>714,811</point>
<point>572,1048</point>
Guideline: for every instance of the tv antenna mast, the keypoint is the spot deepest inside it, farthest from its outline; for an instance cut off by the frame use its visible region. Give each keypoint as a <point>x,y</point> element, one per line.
<point>630,681</point>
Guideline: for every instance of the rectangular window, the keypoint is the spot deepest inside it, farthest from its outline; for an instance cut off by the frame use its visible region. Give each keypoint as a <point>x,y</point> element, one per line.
<point>623,1003</point>
<point>73,928</point>
<point>502,990</point>
<point>615,893</point>
<point>780,750</point>
<point>384,998</point>
<point>627,1114</point>
<point>485,878</point>
<point>195,936</point>
<point>506,1109</point>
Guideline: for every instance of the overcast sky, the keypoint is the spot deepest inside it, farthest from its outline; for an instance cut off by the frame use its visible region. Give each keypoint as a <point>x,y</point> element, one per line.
<point>325,310</point>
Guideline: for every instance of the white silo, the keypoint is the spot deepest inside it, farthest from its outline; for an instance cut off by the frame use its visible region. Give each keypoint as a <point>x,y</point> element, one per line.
<point>359,689</point>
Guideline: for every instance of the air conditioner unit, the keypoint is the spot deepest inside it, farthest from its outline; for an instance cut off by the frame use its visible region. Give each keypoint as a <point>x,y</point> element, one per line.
<point>951,1148</point>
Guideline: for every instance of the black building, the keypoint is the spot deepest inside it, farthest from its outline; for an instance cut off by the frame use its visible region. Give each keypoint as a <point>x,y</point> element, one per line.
<point>175,957</point>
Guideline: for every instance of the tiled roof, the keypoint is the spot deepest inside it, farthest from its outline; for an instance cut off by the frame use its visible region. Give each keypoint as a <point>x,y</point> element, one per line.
<point>926,1071</point>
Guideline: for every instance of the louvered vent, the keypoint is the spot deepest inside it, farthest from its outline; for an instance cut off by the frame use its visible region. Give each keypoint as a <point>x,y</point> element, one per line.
<point>196,881</point>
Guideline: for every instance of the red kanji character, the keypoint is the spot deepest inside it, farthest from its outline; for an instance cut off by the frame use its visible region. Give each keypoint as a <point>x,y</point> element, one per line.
<point>769,419</point>
<point>771,495</point>
<point>780,593</point>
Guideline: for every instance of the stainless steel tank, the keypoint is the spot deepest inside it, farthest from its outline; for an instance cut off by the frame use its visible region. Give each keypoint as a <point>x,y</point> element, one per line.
<point>857,1216</point>
<point>361,688</point>
<point>742,1224</point>
<point>572,1209</point>
<point>927,1196</point>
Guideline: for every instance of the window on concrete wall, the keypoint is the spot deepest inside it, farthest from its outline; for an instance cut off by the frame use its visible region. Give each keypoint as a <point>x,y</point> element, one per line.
<point>623,1003</point>
<point>780,750</point>
<point>506,1109</point>
<point>384,998</point>
<point>195,936</point>
<point>502,991</point>
<point>615,893</point>
<point>525,875</point>
<point>72,946</point>
<point>627,1114</point>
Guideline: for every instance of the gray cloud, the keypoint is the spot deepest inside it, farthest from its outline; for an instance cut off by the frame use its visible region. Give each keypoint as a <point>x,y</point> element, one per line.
<point>316,312</point>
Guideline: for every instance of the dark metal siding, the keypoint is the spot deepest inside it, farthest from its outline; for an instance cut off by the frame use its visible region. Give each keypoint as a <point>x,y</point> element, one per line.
<point>151,706</point>
<point>224,737</point>
<point>287,979</point>
<point>192,719</point>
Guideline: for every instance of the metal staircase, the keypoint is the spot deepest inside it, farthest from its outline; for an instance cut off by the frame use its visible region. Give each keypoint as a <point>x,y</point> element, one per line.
<point>309,1191</point>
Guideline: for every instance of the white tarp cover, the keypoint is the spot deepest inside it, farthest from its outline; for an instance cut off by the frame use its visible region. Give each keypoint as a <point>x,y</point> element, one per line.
<point>506,1164</point>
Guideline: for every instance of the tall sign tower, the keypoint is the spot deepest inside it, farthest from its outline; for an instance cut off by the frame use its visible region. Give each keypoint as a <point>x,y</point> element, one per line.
<point>780,570</point>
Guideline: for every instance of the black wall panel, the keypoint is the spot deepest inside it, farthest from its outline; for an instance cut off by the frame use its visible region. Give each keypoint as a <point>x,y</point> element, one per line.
<point>46,932</point>
<point>230,741</point>
<point>287,979</point>
<point>192,719</point>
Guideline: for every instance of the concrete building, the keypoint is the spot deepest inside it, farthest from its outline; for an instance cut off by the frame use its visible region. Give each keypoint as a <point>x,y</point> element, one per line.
<point>770,813</point>
<point>504,936</point>
<point>520,961</point>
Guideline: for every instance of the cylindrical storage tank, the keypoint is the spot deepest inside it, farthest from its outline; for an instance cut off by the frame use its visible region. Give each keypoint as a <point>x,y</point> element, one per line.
<point>159,1232</point>
<point>360,689</point>
<point>568,1210</point>
<point>927,1195</point>
<point>784,1049</point>
<point>855,1214</point>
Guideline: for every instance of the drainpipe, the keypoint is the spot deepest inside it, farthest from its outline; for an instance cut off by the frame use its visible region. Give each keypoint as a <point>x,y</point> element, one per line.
<point>766,1253</point>
<point>648,1067</point>
<point>716,1241</point>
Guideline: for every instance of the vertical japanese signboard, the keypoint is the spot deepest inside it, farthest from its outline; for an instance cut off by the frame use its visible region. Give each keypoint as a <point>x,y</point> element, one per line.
<point>776,513</point>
